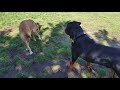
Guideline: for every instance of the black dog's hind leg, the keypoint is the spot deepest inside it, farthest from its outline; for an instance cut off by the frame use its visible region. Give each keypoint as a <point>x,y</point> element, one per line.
<point>89,66</point>
<point>112,75</point>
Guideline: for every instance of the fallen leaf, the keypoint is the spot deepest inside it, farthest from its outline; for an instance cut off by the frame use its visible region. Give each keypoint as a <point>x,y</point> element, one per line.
<point>19,67</point>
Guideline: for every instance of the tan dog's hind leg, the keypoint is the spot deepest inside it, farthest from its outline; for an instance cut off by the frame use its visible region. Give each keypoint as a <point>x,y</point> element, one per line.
<point>28,47</point>
<point>24,40</point>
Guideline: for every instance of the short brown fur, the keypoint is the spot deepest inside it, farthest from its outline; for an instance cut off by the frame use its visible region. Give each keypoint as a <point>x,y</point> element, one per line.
<point>26,29</point>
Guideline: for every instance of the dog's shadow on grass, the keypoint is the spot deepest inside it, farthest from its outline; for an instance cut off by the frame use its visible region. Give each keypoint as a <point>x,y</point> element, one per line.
<point>54,42</point>
<point>13,48</point>
<point>57,48</point>
<point>51,64</point>
<point>103,35</point>
<point>12,52</point>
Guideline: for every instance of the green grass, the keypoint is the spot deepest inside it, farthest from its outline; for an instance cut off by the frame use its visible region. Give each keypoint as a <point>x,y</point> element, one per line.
<point>25,75</point>
<point>102,72</point>
<point>55,42</point>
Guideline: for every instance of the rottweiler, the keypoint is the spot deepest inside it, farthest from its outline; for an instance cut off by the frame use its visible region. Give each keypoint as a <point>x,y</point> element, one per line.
<point>91,51</point>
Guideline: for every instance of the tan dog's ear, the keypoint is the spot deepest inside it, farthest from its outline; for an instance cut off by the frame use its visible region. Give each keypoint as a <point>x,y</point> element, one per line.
<point>39,26</point>
<point>37,23</point>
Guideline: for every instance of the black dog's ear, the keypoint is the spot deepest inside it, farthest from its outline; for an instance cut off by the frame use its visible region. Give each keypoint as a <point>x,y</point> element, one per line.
<point>79,23</point>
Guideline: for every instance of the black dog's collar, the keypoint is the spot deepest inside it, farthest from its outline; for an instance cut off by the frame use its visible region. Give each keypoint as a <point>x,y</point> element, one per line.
<point>89,50</point>
<point>79,36</point>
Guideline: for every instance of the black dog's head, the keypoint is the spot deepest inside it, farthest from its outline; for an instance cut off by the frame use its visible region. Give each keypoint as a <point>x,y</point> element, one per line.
<point>73,29</point>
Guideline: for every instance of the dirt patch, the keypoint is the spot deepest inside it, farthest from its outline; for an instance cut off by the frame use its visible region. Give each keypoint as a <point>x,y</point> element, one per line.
<point>49,69</point>
<point>46,69</point>
<point>11,74</point>
<point>5,32</point>
<point>22,54</point>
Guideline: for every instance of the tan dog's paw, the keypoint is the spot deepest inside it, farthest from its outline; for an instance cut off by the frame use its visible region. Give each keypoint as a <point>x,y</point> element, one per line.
<point>40,38</point>
<point>31,53</point>
<point>26,49</point>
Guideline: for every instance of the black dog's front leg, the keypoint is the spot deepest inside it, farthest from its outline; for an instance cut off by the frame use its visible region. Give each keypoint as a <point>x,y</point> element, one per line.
<point>75,55</point>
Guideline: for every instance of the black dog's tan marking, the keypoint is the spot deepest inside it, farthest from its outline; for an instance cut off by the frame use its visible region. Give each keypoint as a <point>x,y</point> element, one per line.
<point>91,51</point>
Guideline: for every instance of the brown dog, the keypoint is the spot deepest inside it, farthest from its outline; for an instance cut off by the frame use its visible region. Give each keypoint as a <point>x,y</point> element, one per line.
<point>27,30</point>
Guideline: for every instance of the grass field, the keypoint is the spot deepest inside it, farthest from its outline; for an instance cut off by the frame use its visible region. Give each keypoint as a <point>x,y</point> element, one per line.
<point>104,27</point>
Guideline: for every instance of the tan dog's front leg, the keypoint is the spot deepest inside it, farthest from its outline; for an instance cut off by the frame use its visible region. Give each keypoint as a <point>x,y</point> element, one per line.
<point>38,36</point>
<point>33,37</point>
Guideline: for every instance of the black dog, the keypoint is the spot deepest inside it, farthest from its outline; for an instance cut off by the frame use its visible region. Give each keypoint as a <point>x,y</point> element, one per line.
<point>91,51</point>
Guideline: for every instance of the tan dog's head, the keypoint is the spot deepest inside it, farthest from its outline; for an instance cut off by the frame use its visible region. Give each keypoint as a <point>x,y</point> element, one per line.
<point>38,27</point>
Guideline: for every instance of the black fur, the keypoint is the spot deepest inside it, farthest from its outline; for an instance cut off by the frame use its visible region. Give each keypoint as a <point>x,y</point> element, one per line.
<point>91,51</point>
